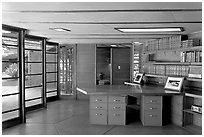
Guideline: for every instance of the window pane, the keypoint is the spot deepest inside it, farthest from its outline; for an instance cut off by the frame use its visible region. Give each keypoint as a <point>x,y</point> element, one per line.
<point>33,68</point>
<point>33,102</point>
<point>51,67</point>
<point>51,77</point>
<point>34,80</point>
<point>51,48</point>
<point>33,56</point>
<point>29,44</point>
<point>51,94</point>
<point>10,102</point>
<point>51,86</point>
<point>10,115</point>
<point>9,86</point>
<point>33,93</point>
<point>51,57</point>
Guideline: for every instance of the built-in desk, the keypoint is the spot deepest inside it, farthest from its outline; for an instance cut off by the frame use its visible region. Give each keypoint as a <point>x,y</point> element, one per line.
<point>108,103</point>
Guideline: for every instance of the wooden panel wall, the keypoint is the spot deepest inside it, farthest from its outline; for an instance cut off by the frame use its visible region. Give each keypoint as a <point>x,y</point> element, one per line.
<point>86,64</point>
<point>120,57</point>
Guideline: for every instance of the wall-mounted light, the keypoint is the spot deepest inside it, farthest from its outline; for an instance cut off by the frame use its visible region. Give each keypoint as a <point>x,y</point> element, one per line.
<point>148,30</point>
<point>113,45</point>
<point>60,29</point>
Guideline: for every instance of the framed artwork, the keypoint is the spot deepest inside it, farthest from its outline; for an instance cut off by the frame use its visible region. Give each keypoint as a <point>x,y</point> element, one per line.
<point>138,78</point>
<point>174,83</point>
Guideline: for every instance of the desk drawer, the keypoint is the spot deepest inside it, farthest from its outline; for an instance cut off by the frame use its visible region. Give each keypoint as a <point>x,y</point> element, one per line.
<point>98,117</point>
<point>115,106</point>
<point>99,106</point>
<point>116,117</point>
<point>98,98</point>
<point>117,99</point>
<point>152,119</point>
<point>153,107</point>
<point>152,99</point>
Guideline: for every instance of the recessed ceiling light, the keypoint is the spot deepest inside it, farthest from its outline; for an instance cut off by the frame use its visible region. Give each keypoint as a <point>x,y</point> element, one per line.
<point>142,30</point>
<point>60,29</point>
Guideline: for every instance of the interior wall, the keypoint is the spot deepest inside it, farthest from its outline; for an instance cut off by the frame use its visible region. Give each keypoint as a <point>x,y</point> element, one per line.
<point>120,65</point>
<point>86,64</point>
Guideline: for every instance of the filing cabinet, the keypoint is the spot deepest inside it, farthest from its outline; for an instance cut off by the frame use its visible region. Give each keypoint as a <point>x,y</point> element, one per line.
<point>117,110</point>
<point>151,110</point>
<point>108,110</point>
<point>98,110</point>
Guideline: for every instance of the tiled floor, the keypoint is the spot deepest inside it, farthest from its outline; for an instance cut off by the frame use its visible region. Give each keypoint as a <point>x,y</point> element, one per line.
<point>71,117</point>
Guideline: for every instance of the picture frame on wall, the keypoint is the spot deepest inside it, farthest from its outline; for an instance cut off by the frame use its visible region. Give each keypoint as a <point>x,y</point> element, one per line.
<point>138,78</point>
<point>174,83</point>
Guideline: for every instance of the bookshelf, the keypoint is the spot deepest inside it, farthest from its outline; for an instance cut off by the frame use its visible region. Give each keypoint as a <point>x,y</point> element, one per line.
<point>171,56</point>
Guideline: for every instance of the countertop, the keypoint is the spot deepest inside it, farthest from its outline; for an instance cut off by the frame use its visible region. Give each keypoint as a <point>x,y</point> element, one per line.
<point>126,90</point>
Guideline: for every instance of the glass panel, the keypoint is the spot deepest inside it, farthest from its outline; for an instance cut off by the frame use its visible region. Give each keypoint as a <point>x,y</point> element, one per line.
<point>51,86</point>
<point>33,56</point>
<point>51,94</point>
<point>51,48</point>
<point>51,57</point>
<point>10,86</point>
<point>34,80</point>
<point>10,115</point>
<point>10,38</point>
<point>29,44</point>
<point>33,102</point>
<point>51,67</point>
<point>33,68</point>
<point>10,102</point>
<point>51,77</point>
<point>33,93</point>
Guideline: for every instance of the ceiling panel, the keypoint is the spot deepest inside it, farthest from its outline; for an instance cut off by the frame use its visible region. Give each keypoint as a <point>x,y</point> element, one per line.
<point>95,22</point>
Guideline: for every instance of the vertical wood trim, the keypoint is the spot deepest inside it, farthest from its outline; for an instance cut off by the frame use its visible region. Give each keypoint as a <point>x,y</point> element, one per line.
<point>131,62</point>
<point>58,72</point>
<point>75,71</point>
<point>44,73</point>
<point>22,76</point>
<point>111,68</point>
<point>95,71</point>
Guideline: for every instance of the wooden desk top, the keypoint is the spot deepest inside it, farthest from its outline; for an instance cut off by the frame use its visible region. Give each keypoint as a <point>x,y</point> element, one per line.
<point>133,90</point>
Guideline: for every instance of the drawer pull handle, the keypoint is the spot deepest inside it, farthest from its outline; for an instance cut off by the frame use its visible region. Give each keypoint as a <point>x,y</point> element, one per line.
<point>116,100</point>
<point>98,107</point>
<point>152,108</point>
<point>152,115</point>
<point>116,107</point>
<point>116,114</point>
<point>153,101</point>
<point>99,114</point>
<point>98,100</point>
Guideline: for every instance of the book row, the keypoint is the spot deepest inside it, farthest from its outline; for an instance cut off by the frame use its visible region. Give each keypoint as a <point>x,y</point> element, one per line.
<point>167,70</point>
<point>191,56</point>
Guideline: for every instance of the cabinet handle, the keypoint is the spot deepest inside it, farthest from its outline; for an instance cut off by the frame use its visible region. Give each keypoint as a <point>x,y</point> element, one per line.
<point>98,107</point>
<point>152,108</point>
<point>116,100</point>
<point>153,101</point>
<point>99,114</point>
<point>116,114</point>
<point>152,115</point>
<point>116,107</point>
<point>98,100</point>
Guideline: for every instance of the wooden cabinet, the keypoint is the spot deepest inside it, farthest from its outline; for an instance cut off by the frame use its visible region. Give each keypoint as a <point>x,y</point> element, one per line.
<point>151,110</point>
<point>108,110</point>
<point>116,110</point>
<point>98,110</point>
